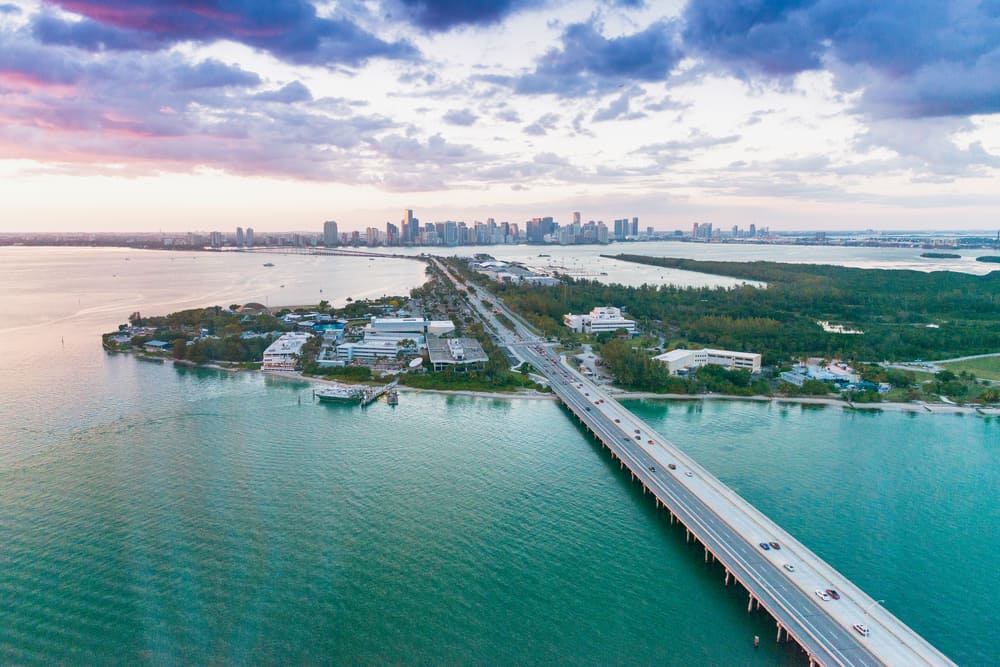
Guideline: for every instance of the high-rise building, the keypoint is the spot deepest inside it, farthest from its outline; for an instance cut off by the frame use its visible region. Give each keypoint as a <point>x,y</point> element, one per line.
<point>215,239</point>
<point>239,237</point>
<point>330,236</point>
<point>635,226</point>
<point>576,217</point>
<point>753,230</point>
<point>249,237</point>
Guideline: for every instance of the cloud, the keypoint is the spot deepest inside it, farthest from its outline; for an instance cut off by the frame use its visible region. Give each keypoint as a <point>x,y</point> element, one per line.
<point>618,109</point>
<point>587,62</point>
<point>509,115</point>
<point>912,58</point>
<point>443,15</point>
<point>291,93</point>
<point>10,9</point>
<point>462,117</point>
<point>290,30</point>
<point>541,126</point>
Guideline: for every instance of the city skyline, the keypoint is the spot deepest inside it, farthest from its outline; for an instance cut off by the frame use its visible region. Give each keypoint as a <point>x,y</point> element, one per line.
<point>821,116</point>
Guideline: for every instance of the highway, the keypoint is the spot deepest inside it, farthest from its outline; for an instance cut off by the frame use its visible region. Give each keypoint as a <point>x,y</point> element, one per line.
<point>783,580</point>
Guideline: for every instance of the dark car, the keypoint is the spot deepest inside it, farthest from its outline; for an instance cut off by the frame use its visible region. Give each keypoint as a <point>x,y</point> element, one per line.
<point>672,466</point>
<point>775,545</point>
<point>763,545</point>
<point>832,593</point>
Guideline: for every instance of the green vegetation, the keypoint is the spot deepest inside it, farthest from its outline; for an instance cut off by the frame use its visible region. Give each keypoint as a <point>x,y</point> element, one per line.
<point>992,259</point>
<point>984,367</point>
<point>893,308</point>
<point>635,369</point>
<point>940,255</point>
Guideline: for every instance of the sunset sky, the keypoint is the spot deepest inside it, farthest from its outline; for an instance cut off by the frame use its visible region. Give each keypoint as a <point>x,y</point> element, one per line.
<point>199,115</point>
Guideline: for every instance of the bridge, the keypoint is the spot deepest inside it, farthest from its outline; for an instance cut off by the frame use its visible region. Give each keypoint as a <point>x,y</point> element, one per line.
<point>788,580</point>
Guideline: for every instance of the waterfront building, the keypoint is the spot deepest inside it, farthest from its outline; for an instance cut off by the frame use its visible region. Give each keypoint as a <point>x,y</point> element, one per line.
<point>600,320</point>
<point>679,360</point>
<point>408,325</point>
<point>240,240</point>
<point>282,354</point>
<point>368,349</point>
<point>458,353</point>
<point>249,238</point>
<point>330,236</point>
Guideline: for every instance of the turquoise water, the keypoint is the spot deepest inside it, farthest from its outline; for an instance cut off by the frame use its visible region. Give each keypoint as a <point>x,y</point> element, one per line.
<point>152,514</point>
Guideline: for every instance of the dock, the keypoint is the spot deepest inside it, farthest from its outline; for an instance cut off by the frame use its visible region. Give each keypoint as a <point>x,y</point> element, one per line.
<point>369,396</point>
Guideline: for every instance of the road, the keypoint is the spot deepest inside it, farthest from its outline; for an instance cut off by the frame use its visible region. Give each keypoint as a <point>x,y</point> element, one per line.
<point>730,529</point>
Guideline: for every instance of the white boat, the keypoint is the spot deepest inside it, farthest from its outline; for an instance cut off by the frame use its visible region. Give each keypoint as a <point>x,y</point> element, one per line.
<point>337,395</point>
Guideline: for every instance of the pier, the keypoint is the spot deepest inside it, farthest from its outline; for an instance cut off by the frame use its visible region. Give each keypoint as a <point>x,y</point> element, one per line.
<point>369,396</point>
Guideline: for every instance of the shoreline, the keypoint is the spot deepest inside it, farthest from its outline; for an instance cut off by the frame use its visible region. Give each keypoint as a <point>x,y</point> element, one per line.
<point>921,407</point>
<point>917,407</point>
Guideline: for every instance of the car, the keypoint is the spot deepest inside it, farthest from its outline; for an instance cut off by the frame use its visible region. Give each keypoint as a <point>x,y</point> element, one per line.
<point>618,421</point>
<point>652,468</point>
<point>689,473</point>
<point>586,393</point>
<point>637,430</point>
<point>672,466</point>
<point>822,595</point>
<point>638,437</point>
<point>862,629</point>
<point>763,545</point>
<point>588,408</point>
<point>789,567</point>
<point>832,593</point>
<point>650,442</point>
<point>775,545</point>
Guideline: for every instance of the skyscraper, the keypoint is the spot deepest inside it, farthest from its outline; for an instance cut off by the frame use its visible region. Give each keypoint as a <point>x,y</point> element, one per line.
<point>330,237</point>
<point>249,237</point>
<point>576,217</point>
<point>635,226</point>
<point>239,237</point>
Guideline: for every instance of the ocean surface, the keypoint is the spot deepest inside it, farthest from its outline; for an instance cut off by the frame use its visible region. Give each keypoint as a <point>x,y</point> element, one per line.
<point>154,514</point>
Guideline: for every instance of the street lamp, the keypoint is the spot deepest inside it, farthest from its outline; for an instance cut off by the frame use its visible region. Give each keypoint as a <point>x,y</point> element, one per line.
<point>872,605</point>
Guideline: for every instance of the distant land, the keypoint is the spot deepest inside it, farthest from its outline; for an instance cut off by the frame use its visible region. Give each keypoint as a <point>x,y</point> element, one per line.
<point>936,241</point>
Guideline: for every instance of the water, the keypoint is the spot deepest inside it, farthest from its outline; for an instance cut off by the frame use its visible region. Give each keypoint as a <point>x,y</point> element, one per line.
<point>158,514</point>
<point>586,261</point>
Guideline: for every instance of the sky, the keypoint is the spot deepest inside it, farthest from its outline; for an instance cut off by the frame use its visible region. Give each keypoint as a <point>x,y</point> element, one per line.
<point>118,115</point>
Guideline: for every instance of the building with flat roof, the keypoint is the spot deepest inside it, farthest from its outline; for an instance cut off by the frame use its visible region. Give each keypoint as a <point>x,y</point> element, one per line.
<point>457,353</point>
<point>678,360</point>
<point>403,325</point>
<point>282,354</point>
<point>599,320</point>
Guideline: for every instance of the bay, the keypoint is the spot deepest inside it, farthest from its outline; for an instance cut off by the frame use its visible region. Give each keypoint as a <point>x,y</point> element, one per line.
<point>160,514</point>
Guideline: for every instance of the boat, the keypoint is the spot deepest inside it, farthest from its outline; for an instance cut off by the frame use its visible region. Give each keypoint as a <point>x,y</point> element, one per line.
<point>337,395</point>
<point>268,264</point>
<point>392,398</point>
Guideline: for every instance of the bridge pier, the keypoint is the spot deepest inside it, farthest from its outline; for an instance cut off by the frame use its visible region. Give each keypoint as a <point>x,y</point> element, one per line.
<point>727,577</point>
<point>750,604</point>
<point>779,634</point>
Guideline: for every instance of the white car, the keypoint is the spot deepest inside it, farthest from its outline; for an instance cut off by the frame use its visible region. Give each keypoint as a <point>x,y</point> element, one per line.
<point>822,595</point>
<point>789,567</point>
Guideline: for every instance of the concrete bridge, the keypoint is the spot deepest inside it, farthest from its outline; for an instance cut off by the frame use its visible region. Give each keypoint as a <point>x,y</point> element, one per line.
<point>788,580</point>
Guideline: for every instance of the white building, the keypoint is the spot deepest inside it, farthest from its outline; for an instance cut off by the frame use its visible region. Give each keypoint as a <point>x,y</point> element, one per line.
<point>600,320</point>
<point>368,349</point>
<point>404,325</point>
<point>282,354</point>
<point>677,360</point>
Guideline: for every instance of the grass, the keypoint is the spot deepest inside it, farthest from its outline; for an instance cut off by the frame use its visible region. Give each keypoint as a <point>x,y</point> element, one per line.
<point>986,367</point>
